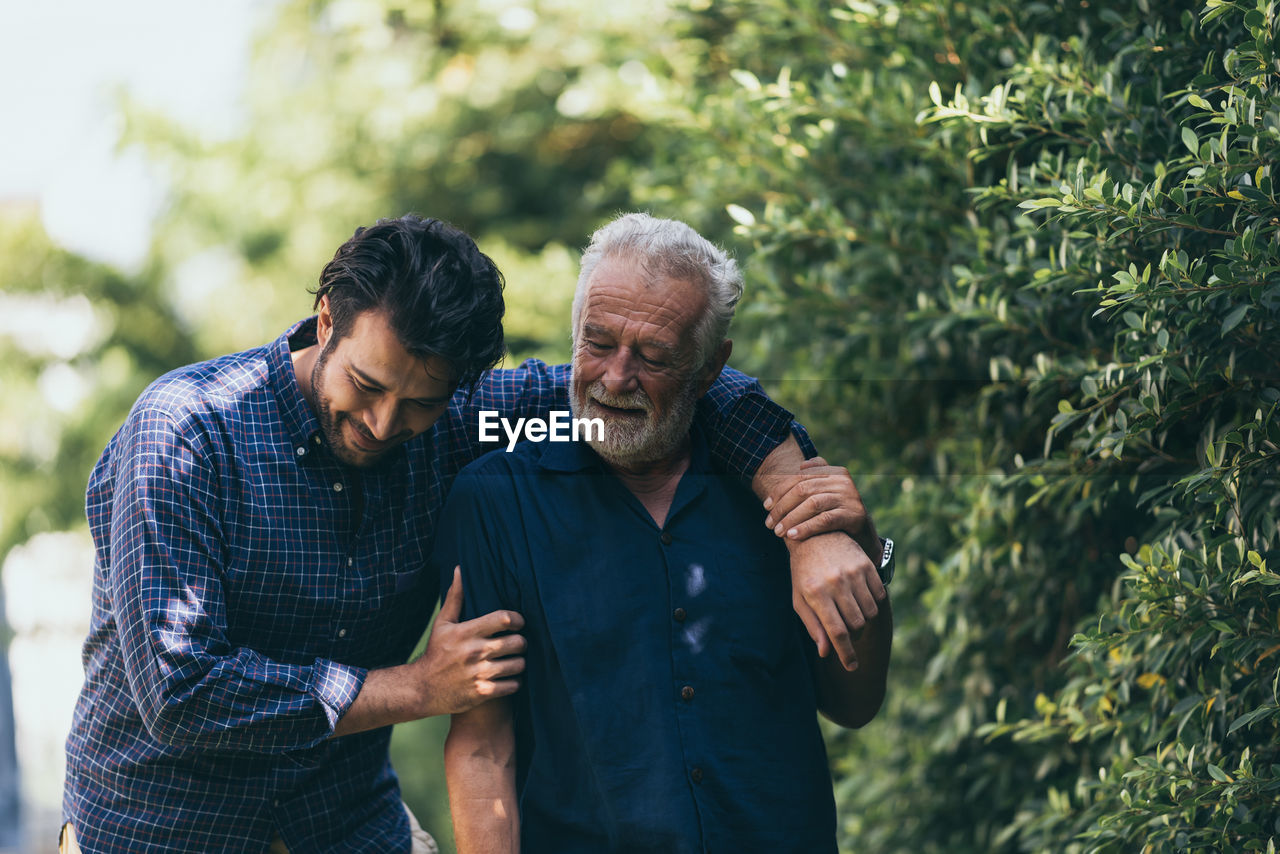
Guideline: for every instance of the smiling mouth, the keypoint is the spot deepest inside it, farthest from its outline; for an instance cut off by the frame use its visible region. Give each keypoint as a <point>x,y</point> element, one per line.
<point>617,410</point>
<point>367,443</point>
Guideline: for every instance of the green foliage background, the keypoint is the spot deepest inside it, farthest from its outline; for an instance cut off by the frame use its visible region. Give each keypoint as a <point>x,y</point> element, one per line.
<point>1016,265</point>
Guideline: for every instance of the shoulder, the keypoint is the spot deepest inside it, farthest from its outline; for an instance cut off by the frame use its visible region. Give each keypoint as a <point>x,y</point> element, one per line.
<point>497,469</point>
<point>216,387</point>
<point>532,376</point>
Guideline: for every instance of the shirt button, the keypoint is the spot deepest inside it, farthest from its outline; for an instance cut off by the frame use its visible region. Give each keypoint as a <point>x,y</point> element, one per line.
<point>350,561</point>
<point>678,615</point>
<point>686,693</point>
<point>337,487</point>
<point>342,633</point>
<point>302,451</point>
<point>666,538</point>
<point>696,775</point>
<point>275,802</point>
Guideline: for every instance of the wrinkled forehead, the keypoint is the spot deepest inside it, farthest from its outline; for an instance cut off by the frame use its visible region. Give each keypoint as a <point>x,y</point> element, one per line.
<point>627,296</point>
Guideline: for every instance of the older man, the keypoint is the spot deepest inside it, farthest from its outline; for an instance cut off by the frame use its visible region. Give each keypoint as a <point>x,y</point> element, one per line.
<point>670,696</point>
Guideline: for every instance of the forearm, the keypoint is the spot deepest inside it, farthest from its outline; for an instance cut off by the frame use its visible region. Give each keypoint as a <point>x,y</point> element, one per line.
<point>852,698</point>
<point>779,467</point>
<point>780,471</point>
<point>389,696</point>
<point>479,762</point>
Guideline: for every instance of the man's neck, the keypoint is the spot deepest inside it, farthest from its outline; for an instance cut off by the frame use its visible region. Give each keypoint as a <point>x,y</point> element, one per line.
<point>654,483</point>
<point>304,361</point>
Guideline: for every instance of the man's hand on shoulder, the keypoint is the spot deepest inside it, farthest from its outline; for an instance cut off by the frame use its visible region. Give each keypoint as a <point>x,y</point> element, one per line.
<point>465,664</point>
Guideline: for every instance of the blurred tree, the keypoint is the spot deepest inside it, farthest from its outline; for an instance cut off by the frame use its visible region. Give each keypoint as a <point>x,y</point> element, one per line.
<point>81,342</point>
<point>514,121</point>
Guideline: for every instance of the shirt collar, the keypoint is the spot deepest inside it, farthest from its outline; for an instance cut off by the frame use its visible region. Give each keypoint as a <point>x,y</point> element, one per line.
<point>578,456</point>
<point>298,418</point>
<point>569,456</point>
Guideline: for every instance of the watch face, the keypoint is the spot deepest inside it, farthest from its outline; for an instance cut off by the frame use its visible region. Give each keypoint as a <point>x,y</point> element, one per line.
<point>886,562</point>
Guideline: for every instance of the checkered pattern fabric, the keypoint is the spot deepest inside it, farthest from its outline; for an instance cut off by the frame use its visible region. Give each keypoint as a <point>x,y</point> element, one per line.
<point>244,584</point>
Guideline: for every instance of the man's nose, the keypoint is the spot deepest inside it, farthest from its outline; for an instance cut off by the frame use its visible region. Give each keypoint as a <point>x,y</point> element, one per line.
<point>382,419</point>
<point>620,372</point>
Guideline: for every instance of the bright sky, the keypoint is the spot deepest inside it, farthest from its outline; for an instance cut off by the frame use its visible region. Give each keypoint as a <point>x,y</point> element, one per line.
<point>61,63</point>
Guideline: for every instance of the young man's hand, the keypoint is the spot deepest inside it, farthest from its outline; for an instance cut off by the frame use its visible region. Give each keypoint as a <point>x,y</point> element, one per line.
<point>468,663</point>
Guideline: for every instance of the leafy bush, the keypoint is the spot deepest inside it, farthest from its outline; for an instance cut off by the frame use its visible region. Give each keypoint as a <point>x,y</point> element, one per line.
<point>1034,402</point>
<point>1160,198</point>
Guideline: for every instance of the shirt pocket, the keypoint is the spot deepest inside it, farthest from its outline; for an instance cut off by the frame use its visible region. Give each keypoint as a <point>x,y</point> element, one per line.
<point>756,620</point>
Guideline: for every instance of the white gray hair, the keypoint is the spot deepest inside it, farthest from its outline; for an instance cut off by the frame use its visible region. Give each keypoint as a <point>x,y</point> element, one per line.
<point>669,249</point>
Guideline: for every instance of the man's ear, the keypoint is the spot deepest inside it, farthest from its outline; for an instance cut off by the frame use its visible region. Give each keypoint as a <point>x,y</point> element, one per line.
<point>324,322</point>
<point>715,365</point>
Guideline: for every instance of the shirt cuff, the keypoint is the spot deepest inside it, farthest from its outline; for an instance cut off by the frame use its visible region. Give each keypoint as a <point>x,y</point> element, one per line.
<point>336,686</point>
<point>802,439</point>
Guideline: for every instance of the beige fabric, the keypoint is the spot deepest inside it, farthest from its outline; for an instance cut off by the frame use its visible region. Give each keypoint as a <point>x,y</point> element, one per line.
<point>67,840</point>
<point>423,843</point>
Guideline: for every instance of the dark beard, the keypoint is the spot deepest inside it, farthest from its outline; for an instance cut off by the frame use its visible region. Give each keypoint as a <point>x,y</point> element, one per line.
<point>331,427</point>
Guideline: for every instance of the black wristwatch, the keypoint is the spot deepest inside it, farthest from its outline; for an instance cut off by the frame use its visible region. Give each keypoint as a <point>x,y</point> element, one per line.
<point>886,561</point>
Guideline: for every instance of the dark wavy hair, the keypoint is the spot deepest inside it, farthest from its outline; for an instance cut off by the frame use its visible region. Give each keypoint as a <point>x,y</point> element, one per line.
<point>441,294</point>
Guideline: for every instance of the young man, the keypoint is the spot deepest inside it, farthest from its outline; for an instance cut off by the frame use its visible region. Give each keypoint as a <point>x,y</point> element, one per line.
<point>670,699</point>
<point>262,524</point>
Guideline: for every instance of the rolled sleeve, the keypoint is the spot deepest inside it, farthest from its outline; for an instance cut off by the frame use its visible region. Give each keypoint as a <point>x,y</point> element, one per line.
<point>336,686</point>
<point>744,425</point>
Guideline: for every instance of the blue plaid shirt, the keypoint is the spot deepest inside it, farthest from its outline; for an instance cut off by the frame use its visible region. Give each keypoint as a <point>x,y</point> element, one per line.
<point>244,584</point>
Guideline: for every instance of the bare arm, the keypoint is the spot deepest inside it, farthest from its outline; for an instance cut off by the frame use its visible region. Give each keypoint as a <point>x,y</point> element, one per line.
<point>852,698</point>
<point>835,585</point>
<point>464,665</point>
<point>480,769</point>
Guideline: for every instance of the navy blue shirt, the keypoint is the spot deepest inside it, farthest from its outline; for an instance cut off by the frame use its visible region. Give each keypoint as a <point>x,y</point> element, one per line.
<point>668,703</point>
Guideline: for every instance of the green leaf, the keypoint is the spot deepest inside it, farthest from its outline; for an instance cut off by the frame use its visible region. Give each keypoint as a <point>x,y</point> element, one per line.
<point>741,215</point>
<point>746,79</point>
<point>1233,318</point>
<point>1191,141</point>
<point>1249,717</point>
